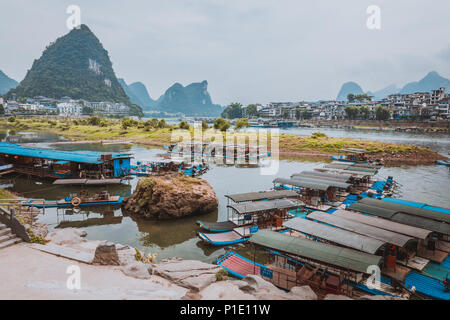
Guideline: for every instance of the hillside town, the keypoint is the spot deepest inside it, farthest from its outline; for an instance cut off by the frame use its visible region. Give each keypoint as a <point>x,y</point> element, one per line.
<point>432,105</point>
<point>64,107</point>
<point>419,106</point>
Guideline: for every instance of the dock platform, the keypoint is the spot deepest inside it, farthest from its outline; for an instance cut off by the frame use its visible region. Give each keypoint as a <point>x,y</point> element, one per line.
<point>92,182</point>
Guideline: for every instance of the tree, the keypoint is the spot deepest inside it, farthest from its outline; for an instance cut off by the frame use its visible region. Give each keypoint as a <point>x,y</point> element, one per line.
<point>382,113</point>
<point>242,123</point>
<point>221,124</point>
<point>94,121</point>
<point>365,112</point>
<point>306,115</point>
<point>351,112</point>
<point>298,113</point>
<point>362,97</point>
<point>285,114</point>
<point>184,125</point>
<point>162,123</point>
<point>351,97</point>
<point>126,123</point>
<point>251,110</point>
<point>87,111</point>
<point>233,111</point>
<point>204,125</point>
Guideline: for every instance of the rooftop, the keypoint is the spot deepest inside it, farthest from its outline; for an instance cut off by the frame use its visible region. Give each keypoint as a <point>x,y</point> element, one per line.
<point>73,156</point>
<point>263,195</point>
<point>325,253</point>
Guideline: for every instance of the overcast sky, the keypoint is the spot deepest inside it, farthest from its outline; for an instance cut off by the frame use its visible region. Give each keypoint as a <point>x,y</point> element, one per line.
<point>248,50</point>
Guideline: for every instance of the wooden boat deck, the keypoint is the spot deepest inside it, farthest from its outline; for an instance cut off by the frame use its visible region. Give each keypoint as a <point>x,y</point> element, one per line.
<point>84,201</point>
<point>223,238</point>
<point>238,266</point>
<point>437,256</point>
<point>399,272</point>
<point>87,181</point>
<point>217,226</point>
<point>443,245</point>
<point>320,207</point>
<point>417,263</point>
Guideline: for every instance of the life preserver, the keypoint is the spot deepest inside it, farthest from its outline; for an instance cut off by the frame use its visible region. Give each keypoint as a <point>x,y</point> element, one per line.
<point>76,201</point>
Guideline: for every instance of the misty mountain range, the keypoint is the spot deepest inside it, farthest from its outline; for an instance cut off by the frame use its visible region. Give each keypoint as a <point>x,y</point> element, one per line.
<point>428,83</point>
<point>77,65</point>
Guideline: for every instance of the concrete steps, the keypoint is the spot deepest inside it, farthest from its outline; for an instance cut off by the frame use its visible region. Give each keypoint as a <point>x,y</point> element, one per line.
<point>7,238</point>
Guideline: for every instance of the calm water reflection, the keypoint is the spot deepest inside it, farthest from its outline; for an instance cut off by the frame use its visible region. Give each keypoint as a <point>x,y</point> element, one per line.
<point>428,184</point>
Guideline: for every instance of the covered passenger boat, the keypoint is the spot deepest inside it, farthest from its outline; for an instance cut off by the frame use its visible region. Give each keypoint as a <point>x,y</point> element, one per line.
<point>56,164</point>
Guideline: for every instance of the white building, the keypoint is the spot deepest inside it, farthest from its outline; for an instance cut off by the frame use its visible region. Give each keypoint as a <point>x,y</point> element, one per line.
<point>69,109</point>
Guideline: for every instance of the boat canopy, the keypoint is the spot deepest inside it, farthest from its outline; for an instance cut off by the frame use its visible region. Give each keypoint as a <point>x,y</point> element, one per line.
<point>51,154</point>
<point>323,253</point>
<point>415,232</point>
<point>401,217</point>
<point>357,227</point>
<point>303,184</point>
<point>263,195</point>
<point>261,206</point>
<point>326,175</point>
<point>398,207</point>
<point>324,180</point>
<point>336,235</point>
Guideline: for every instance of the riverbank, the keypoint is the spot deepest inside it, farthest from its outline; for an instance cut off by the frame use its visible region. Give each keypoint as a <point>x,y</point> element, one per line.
<point>53,275</point>
<point>292,147</point>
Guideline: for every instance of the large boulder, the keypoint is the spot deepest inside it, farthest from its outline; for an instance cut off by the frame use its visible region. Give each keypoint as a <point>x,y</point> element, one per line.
<point>171,197</point>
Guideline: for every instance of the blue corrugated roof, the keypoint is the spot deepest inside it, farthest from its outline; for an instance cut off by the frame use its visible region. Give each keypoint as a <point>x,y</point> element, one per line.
<point>417,205</point>
<point>426,285</point>
<point>74,156</point>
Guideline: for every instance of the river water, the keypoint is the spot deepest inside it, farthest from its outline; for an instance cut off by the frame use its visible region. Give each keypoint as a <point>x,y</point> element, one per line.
<point>430,184</point>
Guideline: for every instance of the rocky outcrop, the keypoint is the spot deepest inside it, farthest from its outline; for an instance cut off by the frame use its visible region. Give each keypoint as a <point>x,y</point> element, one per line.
<point>67,236</point>
<point>254,288</point>
<point>106,254</point>
<point>136,270</point>
<point>191,274</point>
<point>170,197</point>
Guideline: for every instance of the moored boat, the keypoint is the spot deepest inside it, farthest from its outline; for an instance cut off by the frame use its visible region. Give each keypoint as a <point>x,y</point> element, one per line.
<point>74,200</point>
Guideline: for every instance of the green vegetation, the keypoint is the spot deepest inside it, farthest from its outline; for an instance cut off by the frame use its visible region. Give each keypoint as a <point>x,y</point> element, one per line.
<point>221,124</point>
<point>382,113</point>
<point>251,110</point>
<point>221,275</point>
<point>150,133</point>
<point>358,97</point>
<point>233,111</point>
<point>184,125</point>
<point>75,65</point>
<point>242,123</point>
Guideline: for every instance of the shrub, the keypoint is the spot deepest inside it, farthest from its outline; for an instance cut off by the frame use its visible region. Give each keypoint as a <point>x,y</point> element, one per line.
<point>242,123</point>
<point>184,125</point>
<point>318,134</point>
